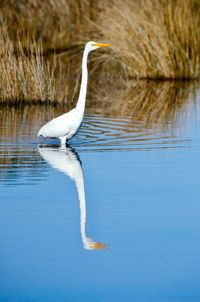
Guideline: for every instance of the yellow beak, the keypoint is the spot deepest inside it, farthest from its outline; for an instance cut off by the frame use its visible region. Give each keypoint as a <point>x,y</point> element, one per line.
<point>101,44</point>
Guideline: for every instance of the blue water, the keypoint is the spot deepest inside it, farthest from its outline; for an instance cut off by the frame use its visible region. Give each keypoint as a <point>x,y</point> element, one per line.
<point>142,205</point>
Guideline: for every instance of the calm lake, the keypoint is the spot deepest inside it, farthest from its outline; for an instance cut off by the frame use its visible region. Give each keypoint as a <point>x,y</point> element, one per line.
<point>114,216</point>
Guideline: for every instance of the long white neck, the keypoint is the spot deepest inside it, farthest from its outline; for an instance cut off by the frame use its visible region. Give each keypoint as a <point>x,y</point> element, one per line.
<point>83,89</point>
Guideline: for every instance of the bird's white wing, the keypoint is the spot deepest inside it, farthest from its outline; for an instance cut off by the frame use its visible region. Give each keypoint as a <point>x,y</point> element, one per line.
<point>61,125</point>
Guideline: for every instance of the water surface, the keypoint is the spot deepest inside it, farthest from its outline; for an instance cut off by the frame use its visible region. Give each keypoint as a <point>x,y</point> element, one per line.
<point>114,216</point>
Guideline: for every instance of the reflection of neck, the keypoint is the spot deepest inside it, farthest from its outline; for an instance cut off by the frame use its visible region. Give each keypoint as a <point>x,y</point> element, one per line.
<point>67,161</point>
<point>81,194</point>
<point>87,242</point>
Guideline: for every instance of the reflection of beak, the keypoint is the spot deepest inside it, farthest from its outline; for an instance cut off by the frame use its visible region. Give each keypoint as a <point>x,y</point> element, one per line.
<point>97,246</point>
<point>101,44</point>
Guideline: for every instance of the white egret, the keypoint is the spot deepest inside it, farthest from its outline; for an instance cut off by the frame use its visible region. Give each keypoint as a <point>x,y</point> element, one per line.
<point>66,125</point>
<point>66,161</point>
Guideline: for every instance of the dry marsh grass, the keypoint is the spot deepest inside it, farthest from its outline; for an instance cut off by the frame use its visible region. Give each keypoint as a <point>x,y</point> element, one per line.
<point>33,33</point>
<point>58,23</point>
<point>152,39</point>
<point>25,75</point>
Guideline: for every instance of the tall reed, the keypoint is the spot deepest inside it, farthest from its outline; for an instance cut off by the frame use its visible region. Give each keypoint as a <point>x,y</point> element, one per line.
<point>154,39</point>
<point>58,23</point>
<point>25,75</point>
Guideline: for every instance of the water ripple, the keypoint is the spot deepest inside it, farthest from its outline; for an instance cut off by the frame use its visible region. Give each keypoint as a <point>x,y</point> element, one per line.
<point>99,133</point>
<point>19,157</point>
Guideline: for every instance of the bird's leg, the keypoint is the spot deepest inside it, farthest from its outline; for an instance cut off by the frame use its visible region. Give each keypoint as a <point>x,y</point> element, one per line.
<point>63,141</point>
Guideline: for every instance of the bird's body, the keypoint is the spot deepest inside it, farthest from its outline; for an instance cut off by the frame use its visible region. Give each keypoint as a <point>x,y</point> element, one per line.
<point>66,125</point>
<point>63,126</point>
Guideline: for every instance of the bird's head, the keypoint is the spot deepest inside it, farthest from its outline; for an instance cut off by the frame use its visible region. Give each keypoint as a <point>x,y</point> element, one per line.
<point>91,45</point>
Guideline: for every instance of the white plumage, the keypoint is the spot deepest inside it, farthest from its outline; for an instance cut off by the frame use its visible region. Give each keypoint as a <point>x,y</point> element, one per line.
<point>66,125</point>
<point>62,127</point>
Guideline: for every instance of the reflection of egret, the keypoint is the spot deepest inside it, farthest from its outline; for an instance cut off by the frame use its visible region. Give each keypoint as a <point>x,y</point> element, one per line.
<point>66,160</point>
<point>66,125</point>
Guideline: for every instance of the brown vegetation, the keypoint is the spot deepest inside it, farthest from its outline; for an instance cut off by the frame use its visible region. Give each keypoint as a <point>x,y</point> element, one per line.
<point>151,40</point>
<point>155,39</point>
<point>58,23</point>
<point>25,75</point>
